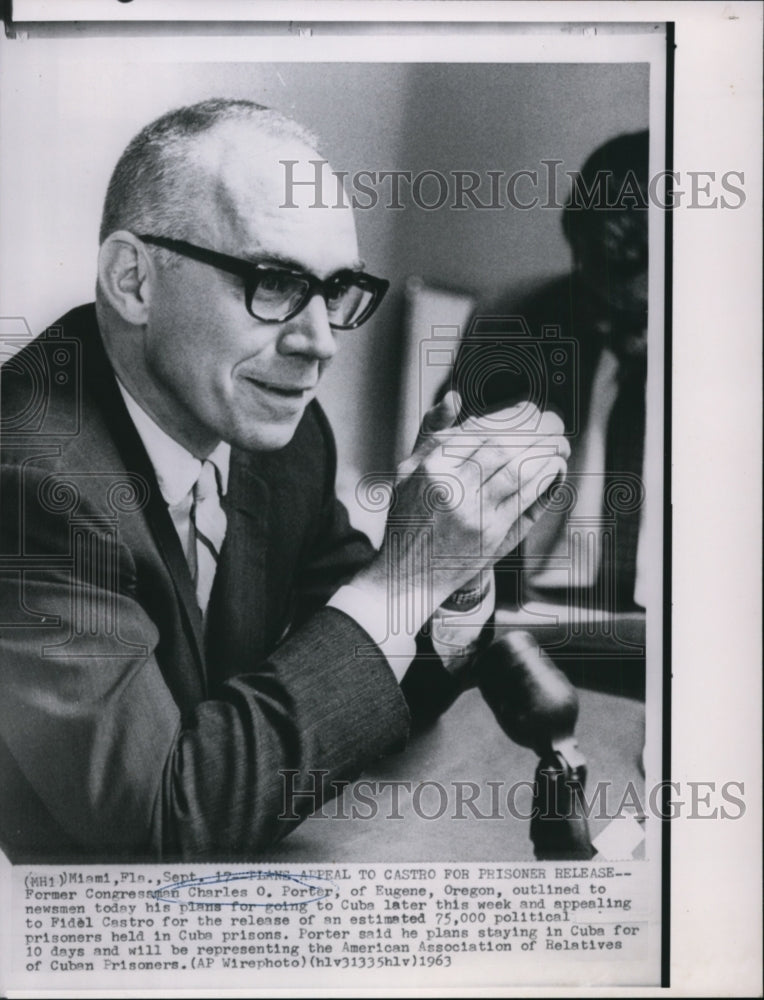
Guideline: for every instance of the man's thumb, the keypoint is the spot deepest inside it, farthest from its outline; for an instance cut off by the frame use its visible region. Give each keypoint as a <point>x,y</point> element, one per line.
<point>437,418</point>
<point>440,416</point>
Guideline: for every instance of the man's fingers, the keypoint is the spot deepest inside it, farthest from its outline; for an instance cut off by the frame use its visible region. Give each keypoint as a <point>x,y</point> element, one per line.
<point>514,467</point>
<point>522,524</point>
<point>520,528</point>
<point>531,482</point>
<point>472,443</point>
<point>492,454</point>
<point>521,418</point>
<point>505,421</point>
<point>471,437</point>
<point>439,417</point>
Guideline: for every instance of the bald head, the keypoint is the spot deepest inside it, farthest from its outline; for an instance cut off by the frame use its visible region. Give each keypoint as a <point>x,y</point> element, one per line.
<point>167,167</point>
<point>237,184</point>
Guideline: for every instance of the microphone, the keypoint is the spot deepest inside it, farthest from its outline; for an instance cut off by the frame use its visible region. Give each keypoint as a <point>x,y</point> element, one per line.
<point>537,707</point>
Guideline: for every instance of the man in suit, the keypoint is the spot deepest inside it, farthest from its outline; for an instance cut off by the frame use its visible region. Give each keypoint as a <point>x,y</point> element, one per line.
<point>578,345</point>
<point>185,611</point>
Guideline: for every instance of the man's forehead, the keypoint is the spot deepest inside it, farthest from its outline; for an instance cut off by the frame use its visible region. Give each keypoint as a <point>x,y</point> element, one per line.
<point>243,153</point>
<point>252,201</point>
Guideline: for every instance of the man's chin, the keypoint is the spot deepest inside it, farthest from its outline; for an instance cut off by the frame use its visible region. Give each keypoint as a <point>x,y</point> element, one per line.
<point>265,437</point>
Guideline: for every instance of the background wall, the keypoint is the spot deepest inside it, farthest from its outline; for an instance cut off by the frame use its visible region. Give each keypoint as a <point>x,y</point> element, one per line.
<point>64,123</point>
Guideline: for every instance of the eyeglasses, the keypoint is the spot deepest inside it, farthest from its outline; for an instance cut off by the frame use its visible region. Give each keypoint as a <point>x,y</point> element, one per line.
<point>274,294</point>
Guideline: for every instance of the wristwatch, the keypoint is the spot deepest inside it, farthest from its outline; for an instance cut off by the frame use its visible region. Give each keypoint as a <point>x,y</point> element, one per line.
<point>468,598</point>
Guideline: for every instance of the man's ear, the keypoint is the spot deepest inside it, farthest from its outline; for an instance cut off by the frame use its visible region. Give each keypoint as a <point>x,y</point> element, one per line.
<point>125,273</point>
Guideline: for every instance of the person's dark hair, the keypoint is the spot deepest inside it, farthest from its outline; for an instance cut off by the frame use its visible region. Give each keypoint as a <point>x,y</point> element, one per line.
<point>147,193</point>
<point>607,208</point>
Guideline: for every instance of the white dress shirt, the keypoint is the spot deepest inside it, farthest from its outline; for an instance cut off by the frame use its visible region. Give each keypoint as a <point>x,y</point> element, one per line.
<point>177,470</point>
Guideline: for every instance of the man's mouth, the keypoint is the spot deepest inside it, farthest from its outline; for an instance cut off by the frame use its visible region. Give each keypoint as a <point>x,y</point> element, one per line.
<point>294,392</point>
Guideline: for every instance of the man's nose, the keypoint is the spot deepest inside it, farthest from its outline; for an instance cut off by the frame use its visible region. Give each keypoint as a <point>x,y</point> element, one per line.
<point>309,333</point>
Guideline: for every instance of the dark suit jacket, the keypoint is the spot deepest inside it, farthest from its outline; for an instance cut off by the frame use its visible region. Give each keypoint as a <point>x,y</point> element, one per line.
<point>120,733</point>
<point>546,348</point>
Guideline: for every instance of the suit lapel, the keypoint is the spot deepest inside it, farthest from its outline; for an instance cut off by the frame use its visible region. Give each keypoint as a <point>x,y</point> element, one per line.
<point>99,378</point>
<point>236,618</point>
<point>236,632</point>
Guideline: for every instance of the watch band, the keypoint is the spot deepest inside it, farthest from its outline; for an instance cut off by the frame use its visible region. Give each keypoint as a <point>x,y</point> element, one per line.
<point>467,599</point>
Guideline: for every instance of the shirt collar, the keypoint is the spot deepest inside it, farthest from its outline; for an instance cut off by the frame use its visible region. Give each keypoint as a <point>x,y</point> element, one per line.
<point>176,468</point>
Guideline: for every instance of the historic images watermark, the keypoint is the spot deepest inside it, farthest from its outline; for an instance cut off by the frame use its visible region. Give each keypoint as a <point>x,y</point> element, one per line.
<point>94,505</point>
<point>496,800</point>
<point>546,186</point>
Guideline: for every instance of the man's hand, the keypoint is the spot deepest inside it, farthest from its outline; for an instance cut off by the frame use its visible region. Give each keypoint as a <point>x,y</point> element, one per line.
<point>438,418</point>
<point>467,496</point>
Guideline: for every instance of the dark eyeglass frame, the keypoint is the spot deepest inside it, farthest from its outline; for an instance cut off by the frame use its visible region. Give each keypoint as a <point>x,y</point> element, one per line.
<point>252,272</point>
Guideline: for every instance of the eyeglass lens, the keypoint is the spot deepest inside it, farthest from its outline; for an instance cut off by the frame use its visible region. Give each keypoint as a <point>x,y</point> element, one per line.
<point>277,294</point>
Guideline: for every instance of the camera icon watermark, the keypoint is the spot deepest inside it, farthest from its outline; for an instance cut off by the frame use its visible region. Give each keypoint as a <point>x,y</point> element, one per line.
<point>46,375</point>
<point>501,364</point>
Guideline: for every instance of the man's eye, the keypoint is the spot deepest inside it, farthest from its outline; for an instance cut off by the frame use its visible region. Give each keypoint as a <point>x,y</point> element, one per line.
<point>275,283</point>
<point>337,290</point>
